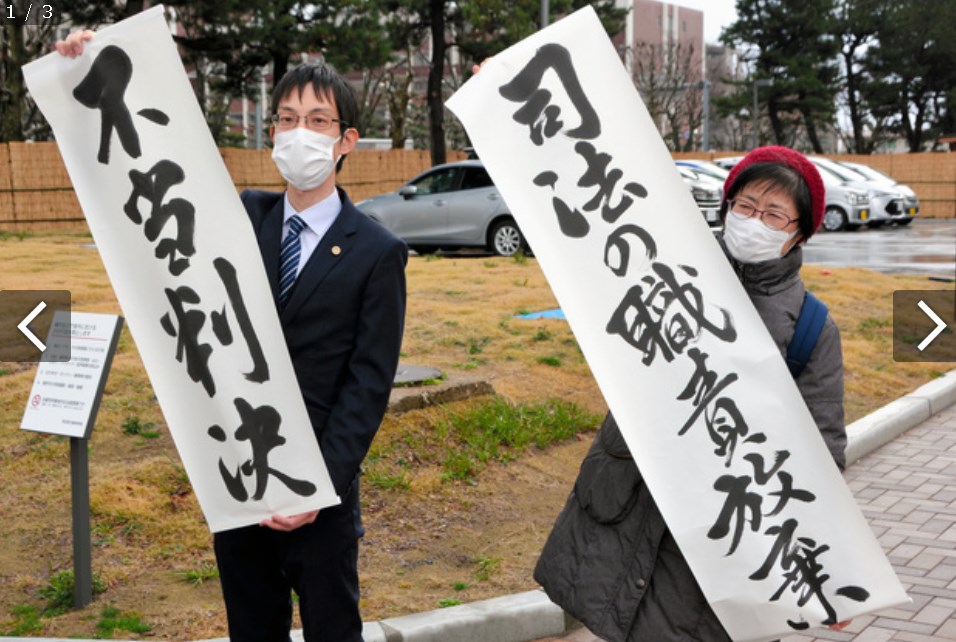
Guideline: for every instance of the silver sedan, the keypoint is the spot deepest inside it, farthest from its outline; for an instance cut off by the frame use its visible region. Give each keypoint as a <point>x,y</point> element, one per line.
<point>449,207</point>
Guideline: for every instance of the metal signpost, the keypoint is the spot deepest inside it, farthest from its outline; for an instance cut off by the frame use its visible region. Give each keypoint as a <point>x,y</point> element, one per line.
<point>64,401</point>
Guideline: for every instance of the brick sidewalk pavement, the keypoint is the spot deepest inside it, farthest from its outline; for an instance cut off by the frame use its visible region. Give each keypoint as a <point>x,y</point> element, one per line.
<point>907,492</point>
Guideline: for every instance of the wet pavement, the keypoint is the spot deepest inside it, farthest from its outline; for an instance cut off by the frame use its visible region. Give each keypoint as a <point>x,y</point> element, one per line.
<point>923,247</point>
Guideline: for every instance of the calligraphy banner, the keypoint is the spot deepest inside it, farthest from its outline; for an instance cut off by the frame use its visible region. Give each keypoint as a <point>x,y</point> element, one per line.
<point>183,259</point>
<point>697,385</point>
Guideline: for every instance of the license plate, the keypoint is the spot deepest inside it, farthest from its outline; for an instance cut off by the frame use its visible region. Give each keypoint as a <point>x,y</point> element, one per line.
<point>710,215</point>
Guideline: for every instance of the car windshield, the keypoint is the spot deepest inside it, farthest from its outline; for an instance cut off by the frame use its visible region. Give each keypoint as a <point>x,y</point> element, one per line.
<point>688,173</point>
<point>843,173</point>
<point>829,178</point>
<point>870,172</point>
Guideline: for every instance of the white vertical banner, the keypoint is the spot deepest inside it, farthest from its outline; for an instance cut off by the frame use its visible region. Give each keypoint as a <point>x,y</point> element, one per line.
<point>700,391</point>
<point>184,262</point>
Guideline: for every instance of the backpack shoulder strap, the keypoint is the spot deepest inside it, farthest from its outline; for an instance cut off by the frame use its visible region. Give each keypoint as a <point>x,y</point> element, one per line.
<point>813,314</point>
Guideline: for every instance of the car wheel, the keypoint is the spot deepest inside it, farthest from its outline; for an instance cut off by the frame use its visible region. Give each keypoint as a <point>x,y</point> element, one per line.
<point>834,219</point>
<point>506,238</point>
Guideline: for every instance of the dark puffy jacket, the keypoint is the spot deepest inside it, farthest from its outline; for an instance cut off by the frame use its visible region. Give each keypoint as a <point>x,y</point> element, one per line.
<point>610,560</point>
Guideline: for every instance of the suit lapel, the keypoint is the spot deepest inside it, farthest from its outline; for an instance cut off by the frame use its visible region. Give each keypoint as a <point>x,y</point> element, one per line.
<point>332,249</point>
<point>270,238</point>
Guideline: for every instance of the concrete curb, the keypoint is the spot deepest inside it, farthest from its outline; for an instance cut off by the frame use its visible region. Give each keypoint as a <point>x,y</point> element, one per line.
<point>405,399</point>
<point>510,618</point>
<point>881,426</point>
<point>531,615</point>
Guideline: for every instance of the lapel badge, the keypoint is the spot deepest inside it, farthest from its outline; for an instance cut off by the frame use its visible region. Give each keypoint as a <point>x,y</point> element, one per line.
<point>336,250</point>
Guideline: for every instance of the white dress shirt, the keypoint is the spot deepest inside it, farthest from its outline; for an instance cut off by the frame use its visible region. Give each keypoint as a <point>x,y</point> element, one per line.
<point>318,219</point>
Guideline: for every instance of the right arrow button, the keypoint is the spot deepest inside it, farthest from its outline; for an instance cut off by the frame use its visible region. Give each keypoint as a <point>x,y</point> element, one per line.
<point>940,325</point>
<point>924,326</point>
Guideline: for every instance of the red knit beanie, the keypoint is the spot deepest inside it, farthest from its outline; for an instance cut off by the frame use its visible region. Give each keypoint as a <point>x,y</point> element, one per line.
<point>794,160</point>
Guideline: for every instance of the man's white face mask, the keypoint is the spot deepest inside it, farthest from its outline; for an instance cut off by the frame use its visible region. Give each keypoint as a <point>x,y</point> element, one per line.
<point>749,240</point>
<point>305,158</point>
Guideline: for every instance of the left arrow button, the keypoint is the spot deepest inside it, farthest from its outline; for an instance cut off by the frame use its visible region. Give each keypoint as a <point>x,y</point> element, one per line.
<point>27,320</point>
<point>35,326</point>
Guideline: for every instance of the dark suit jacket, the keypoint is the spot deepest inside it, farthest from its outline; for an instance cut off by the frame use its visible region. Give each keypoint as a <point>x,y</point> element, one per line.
<point>343,325</point>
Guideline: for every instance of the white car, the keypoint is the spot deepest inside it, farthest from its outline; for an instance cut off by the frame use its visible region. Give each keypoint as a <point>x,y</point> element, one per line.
<point>727,162</point>
<point>885,201</point>
<point>911,207</point>
<point>706,190</point>
<point>705,167</point>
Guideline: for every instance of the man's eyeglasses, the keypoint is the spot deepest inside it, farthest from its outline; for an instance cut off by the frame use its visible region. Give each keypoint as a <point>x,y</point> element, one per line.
<point>316,122</point>
<point>772,218</point>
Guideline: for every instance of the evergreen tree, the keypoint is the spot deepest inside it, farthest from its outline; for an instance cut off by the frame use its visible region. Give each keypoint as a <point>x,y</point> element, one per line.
<point>913,70</point>
<point>858,22</point>
<point>790,42</point>
<point>248,34</point>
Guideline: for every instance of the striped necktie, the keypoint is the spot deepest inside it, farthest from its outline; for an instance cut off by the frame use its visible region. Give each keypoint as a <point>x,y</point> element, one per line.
<point>289,259</point>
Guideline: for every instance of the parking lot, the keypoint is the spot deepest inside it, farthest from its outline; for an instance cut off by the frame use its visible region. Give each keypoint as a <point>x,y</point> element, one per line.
<point>926,246</point>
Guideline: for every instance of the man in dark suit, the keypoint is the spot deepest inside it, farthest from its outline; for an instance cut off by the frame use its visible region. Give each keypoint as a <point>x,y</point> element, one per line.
<point>338,279</point>
<point>341,305</point>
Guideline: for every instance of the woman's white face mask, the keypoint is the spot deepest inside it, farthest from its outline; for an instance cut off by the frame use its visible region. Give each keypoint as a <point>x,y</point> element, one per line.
<point>305,158</point>
<point>749,240</point>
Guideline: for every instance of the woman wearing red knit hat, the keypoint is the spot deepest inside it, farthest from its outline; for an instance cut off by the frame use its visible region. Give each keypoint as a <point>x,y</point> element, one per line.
<point>795,198</point>
<point>610,560</point>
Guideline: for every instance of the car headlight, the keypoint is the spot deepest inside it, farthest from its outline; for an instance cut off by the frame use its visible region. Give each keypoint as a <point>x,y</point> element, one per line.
<point>705,194</point>
<point>856,197</point>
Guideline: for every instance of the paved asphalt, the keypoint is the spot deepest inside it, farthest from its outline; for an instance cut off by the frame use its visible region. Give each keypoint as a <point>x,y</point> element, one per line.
<point>923,247</point>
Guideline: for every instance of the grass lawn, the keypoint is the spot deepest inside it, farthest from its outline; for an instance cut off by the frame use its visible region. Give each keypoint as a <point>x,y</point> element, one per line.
<point>458,499</point>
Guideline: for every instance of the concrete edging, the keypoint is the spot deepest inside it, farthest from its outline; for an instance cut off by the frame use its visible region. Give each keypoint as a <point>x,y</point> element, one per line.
<point>511,618</point>
<point>883,425</point>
